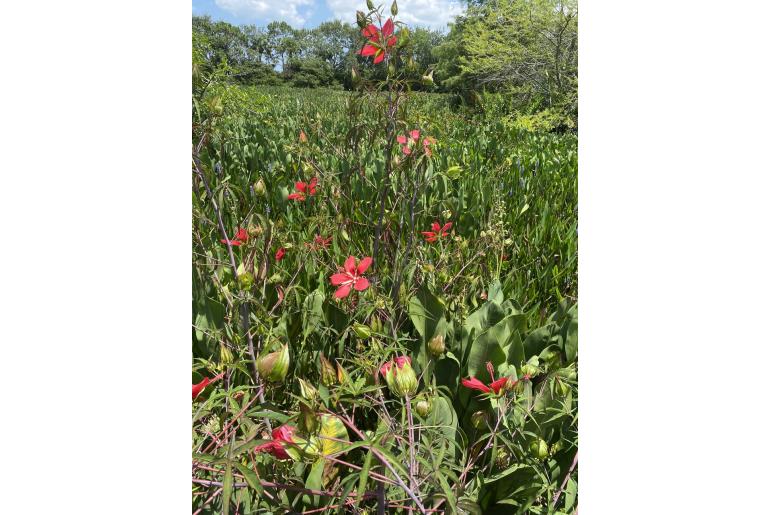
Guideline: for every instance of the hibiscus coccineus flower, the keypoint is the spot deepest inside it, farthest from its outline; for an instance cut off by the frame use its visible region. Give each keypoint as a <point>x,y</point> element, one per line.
<point>408,141</point>
<point>241,237</point>
<point>437,232</point>
<point>281,436</point>
<point>280,253</point>
<point>380,41</point>
<point>351,276</point>
<point>319,242</point>
<point>495,386</point>
<point>303,189</point>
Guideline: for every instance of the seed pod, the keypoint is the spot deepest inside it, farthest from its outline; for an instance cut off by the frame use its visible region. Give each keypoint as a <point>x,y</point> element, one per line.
<point>436,345</point>
<point>394,8</point>
<point>307,390</point>
<point>362,331</point>
<point>275,365</point>
<point>328,373</point>
<point>479,419</point>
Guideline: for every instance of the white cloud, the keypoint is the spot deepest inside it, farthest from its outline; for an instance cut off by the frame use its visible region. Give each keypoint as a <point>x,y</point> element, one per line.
<point>426,13</point>
<point>295,12</point>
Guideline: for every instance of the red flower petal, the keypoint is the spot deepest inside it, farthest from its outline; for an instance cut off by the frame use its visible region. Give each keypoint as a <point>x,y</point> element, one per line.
<point>284,433</point>
<point>403,360</point>
<point>275,448</point>
<point>361,284</point>
<point>475,384</point>
<point>380,57</point>
<point>387,29</point>
<point>498,385</point>
<point>391,41</point>
<point>415,134</point>
<point>242,235</point>
<point>369,50</point>
<point>435,227</point>
<point>350,265</point>
<point>406,150</point>
<point>401,139</point>
<point>340,278</point>
<point>300,186</point>
<point>342,291</point>
<point>280,253</point>
<point>236,243</point>
<point>364,265</point>
<point>296,196</point>
<point>198,388</point>
<point>370,32</point>
<point>385,367</point>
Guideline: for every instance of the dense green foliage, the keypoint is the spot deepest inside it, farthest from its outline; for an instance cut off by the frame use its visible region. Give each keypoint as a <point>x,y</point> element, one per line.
<point>490,297</point>
<point>518,57</point>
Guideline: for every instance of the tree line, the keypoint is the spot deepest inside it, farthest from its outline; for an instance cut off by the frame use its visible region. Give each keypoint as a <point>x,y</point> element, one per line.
<point>524,51</point>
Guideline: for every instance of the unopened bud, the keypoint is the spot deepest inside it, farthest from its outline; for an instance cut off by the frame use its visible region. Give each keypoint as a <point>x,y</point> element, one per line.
<point>503,459</point>
<point>539,449</point>
<point>225,355</point>
<point>479,419</point>
<point>400,377</point>
<point>307,390</point>
<point>354,75</point>
<point>423,407</point>
<point>376,324</point>
<point>360,19</point>
<point>370,5</point>
<point>394,8</point>
<point>275,365</point>
<point>427,80</point>
<point>245,280</point>
<point>391,68</point>
<point>436,345</point>
<point>259,188</point>
<point>328,373</point>
<point>530,367</point>
<point>362,331</point>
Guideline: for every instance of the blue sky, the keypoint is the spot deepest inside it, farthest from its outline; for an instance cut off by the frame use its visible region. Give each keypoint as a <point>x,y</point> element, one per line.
<point>309,13</point>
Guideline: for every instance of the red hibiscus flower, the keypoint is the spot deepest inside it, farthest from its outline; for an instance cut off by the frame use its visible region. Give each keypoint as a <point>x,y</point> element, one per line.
<point>303,189</point>
<point>437,232</point>
<point>319,242</point>
<point>280,253</point>
<point>198,388</point>
<point>380,42</point>
<point>241,237</point>
<point>281,436</point>
<point>410,141</point>
<point>351,275</point>
<point>494,386</point>
<point>426,143</point>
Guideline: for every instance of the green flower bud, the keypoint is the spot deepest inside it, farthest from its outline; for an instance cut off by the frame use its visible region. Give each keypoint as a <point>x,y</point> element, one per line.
<point>394,8</point>
<point>479,419</point>
<point>354,75</point>
<point>436,345</point>
<point>391,68</point>
<point>307,390</point>
<point>530,368</point>
<point>275,365</point>
<point>503,459</point>
<point>423,407</point>
<point>362,331</point>
<point>225,355</point>
<point>539,449</point>
<point>556,448</point>
<point>400,377</point>
<point>370,5</point>
<point>259,188</point>
<point>328,373</point>
<point>375,324</point>
<point>245,281</point>
<point>562,387</point>
<point>360,19</point>
<point>427,80</point>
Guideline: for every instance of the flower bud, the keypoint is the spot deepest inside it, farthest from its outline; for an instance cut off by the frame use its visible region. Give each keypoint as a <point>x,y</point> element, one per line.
<point>360,19</point>
<point>556,447</point>
<point>307,390</point>
<point>562,387</point>
<point>539,449</point>
<point>362,331</point>
<point>245,280</point>
<point>275,365</point>
<point>503,459</point>
<point>391,68</point>
<point>354,75</point>
<point>436,345</point>
<point>225,355</point>
<point>530,367</point>
<point>427,80</point>
<point>370,5</point>
<point>342,374</point>
<point>423,407</point>
<point>375,324</point>
<point>259,188</point>
<point>400,377</point>
<point>479,419</point>
<point>328,373</point>
<point>394,8</point>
